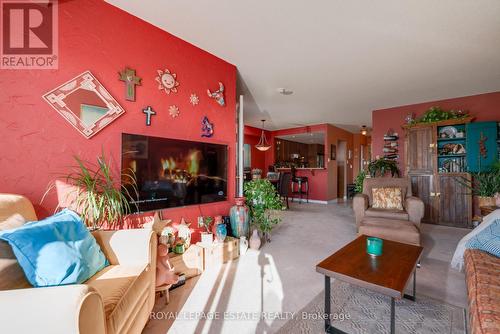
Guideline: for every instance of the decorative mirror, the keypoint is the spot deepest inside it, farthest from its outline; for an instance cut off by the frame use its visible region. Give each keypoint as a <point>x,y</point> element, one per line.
<point>85,103</point>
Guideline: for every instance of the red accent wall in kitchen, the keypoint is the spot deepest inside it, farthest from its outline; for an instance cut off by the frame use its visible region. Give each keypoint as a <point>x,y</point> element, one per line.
<point>257,158</point>
<point>484,107</point>
<point>38,145</point>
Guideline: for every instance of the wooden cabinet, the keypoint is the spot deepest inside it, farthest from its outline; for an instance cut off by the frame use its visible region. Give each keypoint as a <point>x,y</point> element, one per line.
<point>454,207</point>
<point>420,148</point>
<point>447,201</point>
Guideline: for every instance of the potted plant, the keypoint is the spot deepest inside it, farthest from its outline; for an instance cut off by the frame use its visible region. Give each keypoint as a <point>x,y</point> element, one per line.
<point>207,237</point>
<point>484,185</point>
<point>256,173</point>
<point>96,195</point>
<point>382,166</point>
<point>263,201</point>
<point>359,182</point>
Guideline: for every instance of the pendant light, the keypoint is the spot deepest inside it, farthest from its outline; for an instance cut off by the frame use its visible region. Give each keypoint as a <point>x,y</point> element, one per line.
<point>364,130</point>
<point>263,145</point>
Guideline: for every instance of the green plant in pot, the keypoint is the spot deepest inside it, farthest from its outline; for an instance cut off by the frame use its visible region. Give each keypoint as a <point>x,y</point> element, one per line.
<point>484,185</point>
<point>358,182</point>
<point>382,166</point>
<point>96,195</point>
<point>263,201</point>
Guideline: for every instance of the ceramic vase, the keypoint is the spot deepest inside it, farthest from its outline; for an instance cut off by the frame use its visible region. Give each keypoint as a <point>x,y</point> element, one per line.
<point>221,233</point>
<point>255,240</point>
<point>239,218</point>
<point>243,245</point>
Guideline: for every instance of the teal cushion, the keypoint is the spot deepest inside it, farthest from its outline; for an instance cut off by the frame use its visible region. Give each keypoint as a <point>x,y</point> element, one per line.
<point>57,250</point>
<point>488,240</point>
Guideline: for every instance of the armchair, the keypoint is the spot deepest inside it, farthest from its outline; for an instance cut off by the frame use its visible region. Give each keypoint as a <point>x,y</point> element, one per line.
<point>398,225</point>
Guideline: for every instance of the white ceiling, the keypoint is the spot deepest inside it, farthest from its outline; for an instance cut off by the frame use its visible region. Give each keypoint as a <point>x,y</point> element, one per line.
<point>342,59</point>
<point>306,138</point>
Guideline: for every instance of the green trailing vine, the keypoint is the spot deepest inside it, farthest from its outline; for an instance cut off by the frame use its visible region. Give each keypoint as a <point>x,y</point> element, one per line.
<point>437,114</point>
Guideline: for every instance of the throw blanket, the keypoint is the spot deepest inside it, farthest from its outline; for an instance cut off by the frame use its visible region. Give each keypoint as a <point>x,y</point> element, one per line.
<point>458,258</point>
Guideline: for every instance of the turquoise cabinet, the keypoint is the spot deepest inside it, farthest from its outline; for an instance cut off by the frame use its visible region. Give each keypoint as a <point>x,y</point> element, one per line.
<point>482,147</point>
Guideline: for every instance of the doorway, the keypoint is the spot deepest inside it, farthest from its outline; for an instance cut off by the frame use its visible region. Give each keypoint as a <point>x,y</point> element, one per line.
<point>341,169</point>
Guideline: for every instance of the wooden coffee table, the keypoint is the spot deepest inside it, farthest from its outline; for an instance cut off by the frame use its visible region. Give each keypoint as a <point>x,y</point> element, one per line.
<point>387,274</point>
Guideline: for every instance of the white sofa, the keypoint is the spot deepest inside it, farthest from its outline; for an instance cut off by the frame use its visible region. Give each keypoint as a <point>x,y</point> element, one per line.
<point>117,299</point>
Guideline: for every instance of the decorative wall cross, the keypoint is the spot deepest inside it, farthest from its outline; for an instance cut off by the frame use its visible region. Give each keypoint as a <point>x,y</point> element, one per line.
<point>131,80</point>
<point>149,112</point>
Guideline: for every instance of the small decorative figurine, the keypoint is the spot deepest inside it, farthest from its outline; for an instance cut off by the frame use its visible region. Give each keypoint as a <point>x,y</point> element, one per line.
<point>174,111</point>
<point>149,112</point>
<point>410,118</point>
<point>207,128</point>
<point>184,232</point>
<point>165,273</point>
<point>194,99</point>
<point>167,81</point>
<point>131,80</point>
<point>218,95</point>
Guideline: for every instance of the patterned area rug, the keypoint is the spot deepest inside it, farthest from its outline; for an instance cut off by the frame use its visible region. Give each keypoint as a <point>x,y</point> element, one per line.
<point>357,310</point>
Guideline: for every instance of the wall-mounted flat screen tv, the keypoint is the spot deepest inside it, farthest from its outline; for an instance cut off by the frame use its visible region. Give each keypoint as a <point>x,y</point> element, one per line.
<point>172,173</point>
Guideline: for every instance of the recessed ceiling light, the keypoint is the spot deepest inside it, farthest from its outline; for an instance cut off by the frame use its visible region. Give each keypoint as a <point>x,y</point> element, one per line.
<point>284,91</point>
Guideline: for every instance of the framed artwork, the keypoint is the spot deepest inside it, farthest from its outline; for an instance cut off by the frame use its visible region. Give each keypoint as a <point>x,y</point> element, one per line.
<point>333,152</point>
<point>85,104</point>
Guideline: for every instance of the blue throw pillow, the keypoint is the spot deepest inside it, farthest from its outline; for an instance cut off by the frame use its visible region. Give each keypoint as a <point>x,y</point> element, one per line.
<point>57,250</point>
<point>488,240</point>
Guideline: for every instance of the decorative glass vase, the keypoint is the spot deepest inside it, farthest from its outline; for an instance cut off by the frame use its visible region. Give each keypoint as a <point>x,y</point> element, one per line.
<point>221,233</point>
<point>239,218</point>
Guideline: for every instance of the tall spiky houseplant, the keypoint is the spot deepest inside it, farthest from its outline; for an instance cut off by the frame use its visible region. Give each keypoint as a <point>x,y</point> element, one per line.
<point>96,194</point>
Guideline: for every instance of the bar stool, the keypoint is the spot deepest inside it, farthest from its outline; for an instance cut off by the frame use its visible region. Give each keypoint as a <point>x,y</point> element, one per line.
<point>302,183</point>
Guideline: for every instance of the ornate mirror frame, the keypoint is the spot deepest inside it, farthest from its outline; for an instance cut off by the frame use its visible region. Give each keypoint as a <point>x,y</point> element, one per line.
<point>86,81</point>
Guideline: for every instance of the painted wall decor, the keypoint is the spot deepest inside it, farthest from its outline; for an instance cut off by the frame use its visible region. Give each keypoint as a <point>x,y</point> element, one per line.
<point>194,99</point>
<point>218,95</point>
<point>167,81</point>
<point>207,128</point>
<point>131,80</point>
<point>85,104</point>
<point>149,112</point>
<point>174,111</point>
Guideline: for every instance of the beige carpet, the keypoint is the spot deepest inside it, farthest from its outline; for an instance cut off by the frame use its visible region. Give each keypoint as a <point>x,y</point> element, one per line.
<point>281,277</point>
<point>360,311</point>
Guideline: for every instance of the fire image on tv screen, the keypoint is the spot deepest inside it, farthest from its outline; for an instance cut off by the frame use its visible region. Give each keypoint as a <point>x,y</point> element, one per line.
<point>172,173</point>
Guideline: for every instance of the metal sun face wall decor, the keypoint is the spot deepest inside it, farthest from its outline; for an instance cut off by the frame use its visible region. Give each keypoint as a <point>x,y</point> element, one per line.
<point>85,104</point>
<point>167,81</point>
<point>218,95</point>
<point>131,80</point>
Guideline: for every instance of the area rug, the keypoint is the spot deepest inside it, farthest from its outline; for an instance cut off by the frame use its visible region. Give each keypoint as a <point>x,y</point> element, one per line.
<point>357,310</point>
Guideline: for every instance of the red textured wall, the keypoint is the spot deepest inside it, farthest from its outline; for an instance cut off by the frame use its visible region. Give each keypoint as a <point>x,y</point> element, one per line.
<point>37,144</point>
<point>484,107</point>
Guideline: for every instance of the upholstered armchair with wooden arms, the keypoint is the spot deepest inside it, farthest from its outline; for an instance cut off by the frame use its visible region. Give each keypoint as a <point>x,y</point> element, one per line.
<point>413,207</point>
